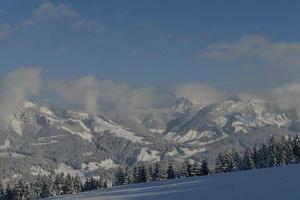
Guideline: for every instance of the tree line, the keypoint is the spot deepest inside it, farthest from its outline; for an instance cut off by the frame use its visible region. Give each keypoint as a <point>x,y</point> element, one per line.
<point>49,186</point>
<point>276,152</point>
<point>155,172</point>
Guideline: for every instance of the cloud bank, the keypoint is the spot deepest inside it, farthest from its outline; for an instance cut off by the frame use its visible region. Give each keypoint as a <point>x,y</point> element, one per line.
<point>15,88</point>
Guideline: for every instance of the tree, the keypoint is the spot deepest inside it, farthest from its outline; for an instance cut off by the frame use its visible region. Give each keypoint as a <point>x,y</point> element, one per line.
<point>127,176</point>
<point>47,187</point>
<point>204,168</point>
<point>68,186</point>
<point>143,175</point>
<point>59,183</point>
<point>78,186</point>
<point>120,177</point>
<point>248,162</point>
<point>157,173</point>
<point>170,171</point>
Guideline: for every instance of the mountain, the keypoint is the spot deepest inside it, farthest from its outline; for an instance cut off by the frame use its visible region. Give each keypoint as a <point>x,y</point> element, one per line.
<point>223,119</point>
<point>273,183</point>
<point>42,139</point>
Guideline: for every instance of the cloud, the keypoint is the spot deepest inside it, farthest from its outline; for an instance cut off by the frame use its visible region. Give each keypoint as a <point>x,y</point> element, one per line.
<point>94,96</point>
<point>287,96</point>
<point>15,88</point>
<point>256,61</point>
<point>49,11</point>
<point>82,92</point>
<point>62,13</point>
<point>274,54</point>
<point>199,94</point>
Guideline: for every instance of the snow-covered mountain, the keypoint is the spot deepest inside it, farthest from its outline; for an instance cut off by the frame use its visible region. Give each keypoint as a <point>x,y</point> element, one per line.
<point>223,119</point>
<point>274,183</point>
<point>44,139</point>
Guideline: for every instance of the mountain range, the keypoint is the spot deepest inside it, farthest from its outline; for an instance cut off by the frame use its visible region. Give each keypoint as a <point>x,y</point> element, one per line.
<point>42,139</point>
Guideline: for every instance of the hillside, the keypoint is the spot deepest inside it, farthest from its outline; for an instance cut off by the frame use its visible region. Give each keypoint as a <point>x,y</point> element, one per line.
<point>273,183</point>
<point>41,139</point>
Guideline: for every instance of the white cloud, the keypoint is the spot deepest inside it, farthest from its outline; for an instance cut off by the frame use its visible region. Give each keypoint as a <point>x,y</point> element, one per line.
<point>15,88</point>
<point>287,97</point>
<point>199,94</point>
<point>49,11</point>
<point>92,95</point>
<point>83,92</point>
<point>285,54</point>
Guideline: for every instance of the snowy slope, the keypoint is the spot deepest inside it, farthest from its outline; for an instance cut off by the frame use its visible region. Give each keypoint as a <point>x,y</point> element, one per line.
<point>265,184</point>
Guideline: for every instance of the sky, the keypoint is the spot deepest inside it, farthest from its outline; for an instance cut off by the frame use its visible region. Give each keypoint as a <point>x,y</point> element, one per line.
<point>233,46</point>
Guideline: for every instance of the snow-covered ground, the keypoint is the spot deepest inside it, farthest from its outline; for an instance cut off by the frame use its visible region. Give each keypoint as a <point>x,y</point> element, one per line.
<point>265,184</point>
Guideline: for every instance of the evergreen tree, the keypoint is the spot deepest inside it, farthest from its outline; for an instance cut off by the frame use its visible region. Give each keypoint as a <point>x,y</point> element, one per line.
<point>170,171</point>
<point>157,174</point>
<point>204,168</point>
<point>120,177</point>
<point>78,186</point>
<point>219,164</point>
<point>248,162</point>
<point>143,175</point>
<point>47,187</point>
<point>59,184</point>
<point>183,172</point>
<point>127,176</point>
<point>68,185</point>
<point>135,174</point>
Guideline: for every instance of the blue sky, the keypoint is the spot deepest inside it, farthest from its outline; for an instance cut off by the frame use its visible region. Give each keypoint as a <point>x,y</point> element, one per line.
<point>155,42</point>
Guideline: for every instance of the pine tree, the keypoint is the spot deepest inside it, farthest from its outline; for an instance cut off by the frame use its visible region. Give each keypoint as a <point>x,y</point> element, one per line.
<point>68,186</point>
<point>47,187</point>
<point>248,162</point>
<point>78,186</point>
<point>143,175</point>
<point>204,168</point>
<point>157,174</point>
<point>170,171</point>
<point>183,172</point>
<point>197,169</point>
<point>59,183</point>
<point>120,177</point>
<point>127,176</point>
<point>219,164</point>
<point>135,174</point>
<point>189,169</point>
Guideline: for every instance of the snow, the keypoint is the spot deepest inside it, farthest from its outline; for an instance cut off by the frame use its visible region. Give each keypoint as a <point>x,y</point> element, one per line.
<point>16,125</point>
<point>189,136</point>
<point>63,168</point>
<point>92,166</point>
<point>172,153</point>
<point>37,170</point>
<point>47,111</point>
<point>6,145</point>
<point>12,155</point>
<point>190,152</point>
<point>146,155</point>
<point>29,104</point>
<point>84,135</point>
<point>264,184</point>
<point>102,125</point>
<point>108,164</point>
<point>154,130</point>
